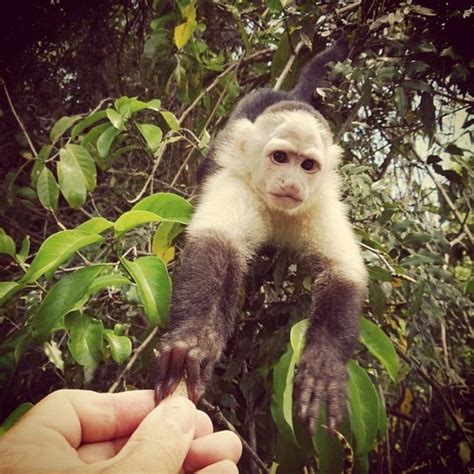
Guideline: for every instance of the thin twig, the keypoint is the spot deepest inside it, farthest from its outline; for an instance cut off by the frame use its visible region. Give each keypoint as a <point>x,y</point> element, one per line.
<point>443,192</point>
<point>393,272</point>
<point>18,119</point>
<point>348,8</point>
<point>216,413</point>
<point>150,176</point>
<point>436,388</point>
<point>133,359</point>
<point>350,118</point>
<point>288,66</point>
<point>215,82</point>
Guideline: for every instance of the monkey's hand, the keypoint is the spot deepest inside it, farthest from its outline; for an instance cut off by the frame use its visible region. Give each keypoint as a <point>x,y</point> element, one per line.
<point>186,355</point>
<point>321,374</point>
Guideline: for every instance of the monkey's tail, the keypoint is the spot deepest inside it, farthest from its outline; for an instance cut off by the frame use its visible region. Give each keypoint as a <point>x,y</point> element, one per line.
<point>314,72</point>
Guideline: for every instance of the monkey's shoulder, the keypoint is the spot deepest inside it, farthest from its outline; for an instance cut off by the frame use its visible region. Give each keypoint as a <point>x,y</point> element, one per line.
<point>255,103</point>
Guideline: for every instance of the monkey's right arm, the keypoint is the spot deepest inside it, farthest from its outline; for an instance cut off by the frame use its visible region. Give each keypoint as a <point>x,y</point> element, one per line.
<point>207,287</point>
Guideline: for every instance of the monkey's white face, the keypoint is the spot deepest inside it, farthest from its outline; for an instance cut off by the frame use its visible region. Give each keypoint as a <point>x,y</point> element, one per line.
<point>294,157</point>
<point>284,177</point>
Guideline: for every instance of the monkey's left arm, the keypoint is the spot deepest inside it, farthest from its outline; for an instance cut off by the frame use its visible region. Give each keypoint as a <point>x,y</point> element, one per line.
<point>331,337</point>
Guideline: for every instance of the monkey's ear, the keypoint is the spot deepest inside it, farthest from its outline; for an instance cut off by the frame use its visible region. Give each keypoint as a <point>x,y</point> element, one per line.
<point>334,155</point>
<point>243,133</point>
<point>236,145</point>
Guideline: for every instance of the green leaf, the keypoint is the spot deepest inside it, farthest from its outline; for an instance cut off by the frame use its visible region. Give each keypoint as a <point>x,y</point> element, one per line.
<point>328,447</point>
<point>152,135</point>
<point>116,279</point>
<point>104,142</point>
<point>47,189</point>
<point>122,102</point>
<point>283,374</point>
<point>72,181</point>
<point>40,163</point>
<point>137,105</point>
<point>154,286</point>
<point>24,251</point>
<point>86,164</point>
<point>87,122</point>
<point>401,100</point>
<point>297,337</point>
<point>95,225</point>
<point>55,250</point>
<point>154,104</point>
<point>170,207</point>
<point>417,237</point>
<point>379,273</point>
<point>120,346</point>
<point>282,395</point>
<point>61,126</point>
<point>289,457</point>
<point>171,120</point>
<point>418,85</point>
<point>115,118</point>
<point>380,346</point>
<point>275,6</point>
<point>8,289</point>
<point>363,407</point>
<point>382,428</point>
<point>15,415</point>
<point>163,238</point>
<point>7,244</point>
<point>61,299</point>
<point>86,336</point>
<point>131,219</point>
<point>95,132</point>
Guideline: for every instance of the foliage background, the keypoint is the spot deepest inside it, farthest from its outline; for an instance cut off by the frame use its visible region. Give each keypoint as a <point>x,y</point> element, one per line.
<point>402,108</point>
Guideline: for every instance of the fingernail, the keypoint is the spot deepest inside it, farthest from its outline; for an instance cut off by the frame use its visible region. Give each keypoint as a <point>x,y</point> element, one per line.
<point>182,412</point>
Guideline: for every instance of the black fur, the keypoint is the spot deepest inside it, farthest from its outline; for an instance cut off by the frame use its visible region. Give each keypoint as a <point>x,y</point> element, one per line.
<point>312,76</point>
<point>331,338</point>
<point>207,287</point>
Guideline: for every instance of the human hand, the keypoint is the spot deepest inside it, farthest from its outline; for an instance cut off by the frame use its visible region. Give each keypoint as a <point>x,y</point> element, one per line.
<point>85,431</point>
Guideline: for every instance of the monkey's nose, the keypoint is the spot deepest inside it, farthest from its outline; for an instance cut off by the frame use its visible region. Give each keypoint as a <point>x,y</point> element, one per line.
<point>291,189</point>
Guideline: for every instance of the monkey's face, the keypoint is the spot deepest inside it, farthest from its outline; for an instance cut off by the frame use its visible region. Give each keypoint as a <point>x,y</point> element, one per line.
<point>290,164</point>
<point>284,177</point>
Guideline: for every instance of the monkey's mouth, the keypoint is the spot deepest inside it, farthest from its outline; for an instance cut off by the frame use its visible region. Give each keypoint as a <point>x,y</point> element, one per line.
<point>287,197</point>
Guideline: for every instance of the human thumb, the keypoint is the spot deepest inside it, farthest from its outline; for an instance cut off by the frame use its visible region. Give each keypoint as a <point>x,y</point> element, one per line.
<point>162,440</point>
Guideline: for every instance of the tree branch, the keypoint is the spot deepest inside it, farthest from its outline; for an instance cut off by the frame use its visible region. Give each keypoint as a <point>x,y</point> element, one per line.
<point>18,119</point>
<point>133,359</point>
<point>216,413</point>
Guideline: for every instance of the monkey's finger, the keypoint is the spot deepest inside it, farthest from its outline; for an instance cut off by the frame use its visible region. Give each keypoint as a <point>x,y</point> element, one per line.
<point>176,368</point>
<point>310,401</point>
<point>163,359</point>
<point>336,402</point>
<point>312,413</point>
<point>304,390</point>
<point>193,373</point>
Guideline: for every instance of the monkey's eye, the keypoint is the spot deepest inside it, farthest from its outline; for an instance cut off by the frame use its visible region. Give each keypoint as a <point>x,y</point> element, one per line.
<point>280,157</point>
<point>309,165</point>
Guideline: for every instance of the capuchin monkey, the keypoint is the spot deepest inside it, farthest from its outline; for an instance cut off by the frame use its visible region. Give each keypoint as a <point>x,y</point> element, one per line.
<point>271,178</point>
